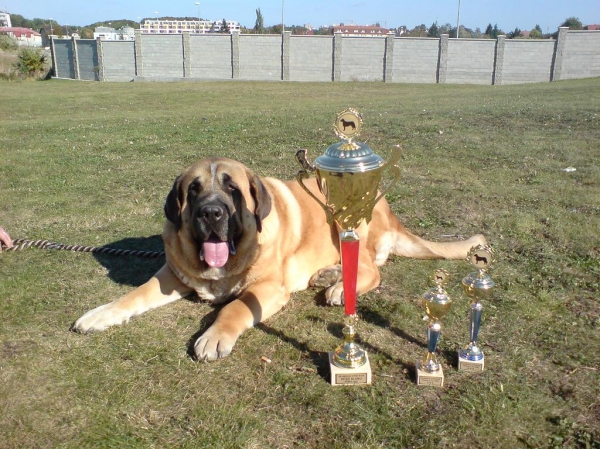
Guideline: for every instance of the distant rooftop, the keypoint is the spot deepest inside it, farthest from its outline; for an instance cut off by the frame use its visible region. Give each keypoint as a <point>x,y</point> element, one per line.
<point>19,32</point>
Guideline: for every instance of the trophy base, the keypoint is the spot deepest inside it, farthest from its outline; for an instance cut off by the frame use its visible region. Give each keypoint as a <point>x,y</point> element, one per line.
<point>350,376</point>
<point>470,366</point>
<point>425,378</point>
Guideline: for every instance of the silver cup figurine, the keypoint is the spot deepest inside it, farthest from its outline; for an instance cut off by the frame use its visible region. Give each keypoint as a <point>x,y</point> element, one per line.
<point>348,175</point>
<point>477,286</point>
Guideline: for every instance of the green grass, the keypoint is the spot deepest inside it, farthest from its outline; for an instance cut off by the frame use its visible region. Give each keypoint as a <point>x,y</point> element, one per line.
<point>91,164</point>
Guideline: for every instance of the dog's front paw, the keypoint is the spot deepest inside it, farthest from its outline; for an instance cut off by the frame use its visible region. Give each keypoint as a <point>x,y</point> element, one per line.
<point>214,344</point>
<point>101,318</point>
<point>326,277</point>
<point>334,295</point>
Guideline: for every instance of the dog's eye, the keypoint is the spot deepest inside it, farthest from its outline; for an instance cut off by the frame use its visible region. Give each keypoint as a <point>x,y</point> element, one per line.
<point>228,182</point>
<point>194,187</point>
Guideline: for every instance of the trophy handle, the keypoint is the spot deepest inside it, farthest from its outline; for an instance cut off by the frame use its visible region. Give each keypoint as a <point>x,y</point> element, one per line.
<point>303,174</point>
<point>395,169</point>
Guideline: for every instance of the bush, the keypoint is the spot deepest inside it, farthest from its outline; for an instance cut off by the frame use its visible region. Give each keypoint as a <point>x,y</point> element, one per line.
<point>7,43</point>
<point>31,61</point>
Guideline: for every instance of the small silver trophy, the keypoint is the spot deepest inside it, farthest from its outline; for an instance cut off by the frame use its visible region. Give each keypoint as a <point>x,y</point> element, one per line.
<point>477,286</point>
<point>437,304</point>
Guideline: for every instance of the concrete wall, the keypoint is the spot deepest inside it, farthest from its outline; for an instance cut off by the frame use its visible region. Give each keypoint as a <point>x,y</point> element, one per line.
<point>87,56</point>
<point>575,54</point>
<point>118,60</point>
<point>581,55</point>
<point>362,59</point>
<point>210,57</point>
<point>527,61</point>
<point>311,58</point>
<point>162,56</point>
<point>415,60</point>
<point>260,57</point>
<point>63,59</point>
<point>470,61</point>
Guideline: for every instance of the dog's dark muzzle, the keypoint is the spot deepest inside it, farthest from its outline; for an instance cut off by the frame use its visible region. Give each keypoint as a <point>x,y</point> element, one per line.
<point>215,229</point>
<point>213,217</point>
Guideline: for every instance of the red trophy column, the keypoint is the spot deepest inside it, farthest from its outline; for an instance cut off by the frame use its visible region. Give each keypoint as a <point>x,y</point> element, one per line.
<point>350,244</point>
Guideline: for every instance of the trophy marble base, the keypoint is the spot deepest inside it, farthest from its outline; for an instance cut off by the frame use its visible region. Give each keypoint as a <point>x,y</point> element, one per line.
<point>350,376</point>
<point>470,366</point>
<point>425,378</point>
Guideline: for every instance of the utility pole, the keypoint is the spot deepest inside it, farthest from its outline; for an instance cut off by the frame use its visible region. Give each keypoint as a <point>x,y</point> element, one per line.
<point>458,20</point>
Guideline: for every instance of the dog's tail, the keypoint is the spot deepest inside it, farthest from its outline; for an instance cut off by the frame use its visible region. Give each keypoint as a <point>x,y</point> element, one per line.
<point>399,241</point>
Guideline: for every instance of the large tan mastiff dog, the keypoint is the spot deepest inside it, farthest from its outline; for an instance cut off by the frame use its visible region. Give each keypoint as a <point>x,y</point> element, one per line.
<point>250,242</point>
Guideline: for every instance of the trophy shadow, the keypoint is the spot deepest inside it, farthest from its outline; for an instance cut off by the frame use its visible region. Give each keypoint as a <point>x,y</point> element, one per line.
<point>320,359</point>
<point>336,328</point>
<point>449,356</point>
<point>375,318</point>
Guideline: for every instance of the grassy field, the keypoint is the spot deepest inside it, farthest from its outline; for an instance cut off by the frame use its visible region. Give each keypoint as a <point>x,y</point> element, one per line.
<point>91,164</point>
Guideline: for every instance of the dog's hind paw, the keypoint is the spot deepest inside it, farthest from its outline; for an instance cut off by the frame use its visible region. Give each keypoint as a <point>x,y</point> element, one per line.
<point>334,295</point>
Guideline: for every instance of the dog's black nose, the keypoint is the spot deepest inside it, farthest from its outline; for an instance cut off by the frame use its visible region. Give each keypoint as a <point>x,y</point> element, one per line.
<point>212,213</point>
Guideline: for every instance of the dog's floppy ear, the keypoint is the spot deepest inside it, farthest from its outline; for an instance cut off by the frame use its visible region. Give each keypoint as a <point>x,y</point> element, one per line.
<point>262,200</point>
<point>173,204</point>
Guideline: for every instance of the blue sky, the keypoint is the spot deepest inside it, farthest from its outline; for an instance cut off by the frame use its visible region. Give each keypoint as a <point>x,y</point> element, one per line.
<point>508,14</point>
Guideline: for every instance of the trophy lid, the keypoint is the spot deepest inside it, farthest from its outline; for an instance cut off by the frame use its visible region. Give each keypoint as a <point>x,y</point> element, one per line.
<point>344,157</point>
<point>348,156</point>
<point>478,282</point>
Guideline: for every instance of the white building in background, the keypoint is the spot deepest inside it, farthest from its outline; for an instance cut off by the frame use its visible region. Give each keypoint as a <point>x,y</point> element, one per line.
<point>162,26</point>
<point>5,20</point>
<point>361,31</point>
<point>110,34</point>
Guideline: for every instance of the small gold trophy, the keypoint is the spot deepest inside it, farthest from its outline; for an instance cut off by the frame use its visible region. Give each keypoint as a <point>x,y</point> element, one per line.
<point>437,304</point>
<point>477,285</point>
<point>348,175</point>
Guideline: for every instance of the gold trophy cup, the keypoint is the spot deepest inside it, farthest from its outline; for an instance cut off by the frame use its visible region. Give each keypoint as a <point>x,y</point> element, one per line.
<point>477,286</point>
<point>437,304</point>
<point>348,175</point>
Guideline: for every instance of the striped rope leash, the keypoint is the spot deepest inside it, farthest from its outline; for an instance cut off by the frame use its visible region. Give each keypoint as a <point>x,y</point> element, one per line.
<point>20,244</point>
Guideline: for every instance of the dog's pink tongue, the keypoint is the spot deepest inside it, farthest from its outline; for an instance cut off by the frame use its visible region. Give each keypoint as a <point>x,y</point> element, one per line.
<point>216,253</point>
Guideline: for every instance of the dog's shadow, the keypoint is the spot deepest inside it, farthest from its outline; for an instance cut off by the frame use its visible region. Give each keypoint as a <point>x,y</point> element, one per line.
<point>130,269</point>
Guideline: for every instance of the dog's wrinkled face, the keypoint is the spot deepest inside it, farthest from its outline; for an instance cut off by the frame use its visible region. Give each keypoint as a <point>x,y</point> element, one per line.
<point>217,201</point>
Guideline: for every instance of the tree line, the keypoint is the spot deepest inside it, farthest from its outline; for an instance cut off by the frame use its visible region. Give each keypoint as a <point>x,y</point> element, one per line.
<point>435,30</point>
<point>491,31</point>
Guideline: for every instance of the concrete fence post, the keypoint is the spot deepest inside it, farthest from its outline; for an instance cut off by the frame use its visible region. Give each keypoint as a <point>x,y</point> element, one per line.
<point>559,49</point>
<point>75,58</point>
<point>285,55</point>
<point>139,59</point>
<point>54,59</point>
<point>499,60</point>
<point>100,68</point>
<point>235,55</point>
<point>187,57</point>
<point>442,59</point>
<point>337,57</point>
<point>388,58</point>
